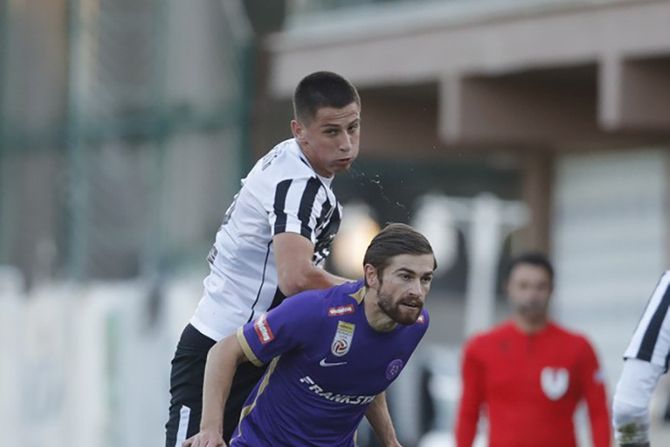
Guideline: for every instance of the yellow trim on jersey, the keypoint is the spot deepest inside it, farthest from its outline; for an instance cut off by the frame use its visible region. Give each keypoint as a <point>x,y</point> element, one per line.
<point>359,294</point>
<point>264,383</point>
<point>247,349</point>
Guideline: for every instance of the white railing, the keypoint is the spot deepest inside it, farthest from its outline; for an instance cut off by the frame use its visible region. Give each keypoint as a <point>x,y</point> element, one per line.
<point>88,365</point>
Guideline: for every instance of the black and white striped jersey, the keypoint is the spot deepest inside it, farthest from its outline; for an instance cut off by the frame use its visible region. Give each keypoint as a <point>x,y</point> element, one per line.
<point>651,339</point>
<point>282,193</point>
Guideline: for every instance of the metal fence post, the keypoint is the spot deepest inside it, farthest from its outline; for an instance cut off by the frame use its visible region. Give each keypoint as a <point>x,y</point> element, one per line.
<point>4,186</point>
<point>77,194</point>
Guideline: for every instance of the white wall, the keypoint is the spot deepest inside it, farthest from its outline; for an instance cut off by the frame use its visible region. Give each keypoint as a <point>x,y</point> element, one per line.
<point>83,366</point>
<point>609,244</point>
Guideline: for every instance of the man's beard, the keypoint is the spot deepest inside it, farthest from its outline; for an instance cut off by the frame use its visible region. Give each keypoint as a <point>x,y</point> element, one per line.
<point>395,311</point>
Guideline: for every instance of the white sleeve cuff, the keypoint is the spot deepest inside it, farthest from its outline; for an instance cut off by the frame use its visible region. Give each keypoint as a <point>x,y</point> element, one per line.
<point>631,424</point>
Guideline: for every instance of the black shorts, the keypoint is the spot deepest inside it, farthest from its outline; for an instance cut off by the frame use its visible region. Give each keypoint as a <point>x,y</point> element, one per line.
<point>188,370</point>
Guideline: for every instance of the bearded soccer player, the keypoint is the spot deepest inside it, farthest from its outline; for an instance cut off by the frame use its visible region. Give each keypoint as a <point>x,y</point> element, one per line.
<point>529,373</point>
<point>332,354</point>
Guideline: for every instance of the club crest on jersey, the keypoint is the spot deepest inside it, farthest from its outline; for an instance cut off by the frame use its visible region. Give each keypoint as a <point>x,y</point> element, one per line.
<point>343,337</point>
<point>421,319</point>
<point>263,330</point>
<point>554,382</point>
<point>341,310</point>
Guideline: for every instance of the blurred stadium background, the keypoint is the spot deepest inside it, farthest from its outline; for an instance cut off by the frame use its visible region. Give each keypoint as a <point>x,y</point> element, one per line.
<point>492,125</point>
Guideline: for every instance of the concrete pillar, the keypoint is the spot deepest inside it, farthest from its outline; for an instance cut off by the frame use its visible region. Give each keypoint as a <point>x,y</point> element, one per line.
<point>634,94</point>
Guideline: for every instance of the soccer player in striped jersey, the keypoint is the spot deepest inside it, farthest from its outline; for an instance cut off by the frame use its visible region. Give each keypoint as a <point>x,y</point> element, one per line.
<point>332,353</point>
<point>272,243</point>
<point>645,361</point>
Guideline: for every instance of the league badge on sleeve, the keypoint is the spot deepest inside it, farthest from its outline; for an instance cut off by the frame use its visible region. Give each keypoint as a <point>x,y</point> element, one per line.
<point>343,337</point>
<point>263,330</point>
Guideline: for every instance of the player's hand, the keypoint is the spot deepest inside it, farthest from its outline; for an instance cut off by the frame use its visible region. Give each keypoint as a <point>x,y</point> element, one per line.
<point>206,438</point>
<point>632,434</point>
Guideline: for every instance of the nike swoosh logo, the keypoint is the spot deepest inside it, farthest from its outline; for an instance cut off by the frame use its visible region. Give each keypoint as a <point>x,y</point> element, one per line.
<point>326,364</point>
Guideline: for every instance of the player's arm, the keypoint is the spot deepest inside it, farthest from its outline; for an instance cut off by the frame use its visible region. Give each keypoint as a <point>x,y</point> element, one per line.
<point>630,409</point>
<point>380,420</point>
<point>222,361</point>
<point>295,271</point>
<point>294,213</point>
<point>471,398</point>
<point>596,399</point>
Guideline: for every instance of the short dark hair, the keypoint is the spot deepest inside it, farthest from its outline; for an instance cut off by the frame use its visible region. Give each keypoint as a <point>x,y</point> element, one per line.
<point>322,89</point>
<point>396,239</point>
<point>534,258</point>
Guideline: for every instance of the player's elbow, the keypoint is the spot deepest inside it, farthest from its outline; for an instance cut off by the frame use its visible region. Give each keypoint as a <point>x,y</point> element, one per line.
<point>298,280</point>
<point>227,350</point>
<point>293,281</point>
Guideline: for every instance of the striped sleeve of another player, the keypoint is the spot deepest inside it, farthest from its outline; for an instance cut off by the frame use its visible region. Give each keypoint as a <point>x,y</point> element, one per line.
<point>651,340</point>
<point>294,206</point>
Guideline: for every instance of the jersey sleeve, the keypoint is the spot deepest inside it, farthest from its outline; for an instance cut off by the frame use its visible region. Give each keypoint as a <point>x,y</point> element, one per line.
<point>426,320</point>
<point>472,396</point>
<point>422,323</point>
<point>651,339</point>
<point>593,386</point>
<point>297,207</point>
<point>287,327</point>
<point>630,408</point>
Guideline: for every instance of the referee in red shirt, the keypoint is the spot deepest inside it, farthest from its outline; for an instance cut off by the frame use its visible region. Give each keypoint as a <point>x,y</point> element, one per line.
<point>528,374</point>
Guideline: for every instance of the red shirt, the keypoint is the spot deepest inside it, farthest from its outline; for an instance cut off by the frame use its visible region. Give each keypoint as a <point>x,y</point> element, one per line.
<point>531,385</point>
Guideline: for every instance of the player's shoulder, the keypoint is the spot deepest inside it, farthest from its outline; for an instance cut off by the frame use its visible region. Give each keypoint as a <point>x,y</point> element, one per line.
<point>283,162</point>
<point>344,299</point>
<point>424,319</point>
<point>481,340</point>
<point>323,303</point>
<point>308,301</point>
<point>420,326</point>
<point>569,336</point>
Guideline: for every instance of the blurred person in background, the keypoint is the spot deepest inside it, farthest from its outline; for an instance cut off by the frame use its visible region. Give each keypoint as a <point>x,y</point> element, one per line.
<point>272,243</point>
<point>528,373</point>
<point>645,361</point>
<point>332,353</point>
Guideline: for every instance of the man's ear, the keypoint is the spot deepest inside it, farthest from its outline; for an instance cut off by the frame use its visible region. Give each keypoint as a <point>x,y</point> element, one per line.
<point>371,277</point>
<point>298,131</point>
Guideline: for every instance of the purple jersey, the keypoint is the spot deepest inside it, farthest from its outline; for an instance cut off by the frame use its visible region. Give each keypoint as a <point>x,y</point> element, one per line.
<point>326,366</point>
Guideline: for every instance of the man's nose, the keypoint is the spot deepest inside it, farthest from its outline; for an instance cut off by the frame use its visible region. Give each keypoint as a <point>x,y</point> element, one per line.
<point>417,289</point>
<point>346,142</point>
